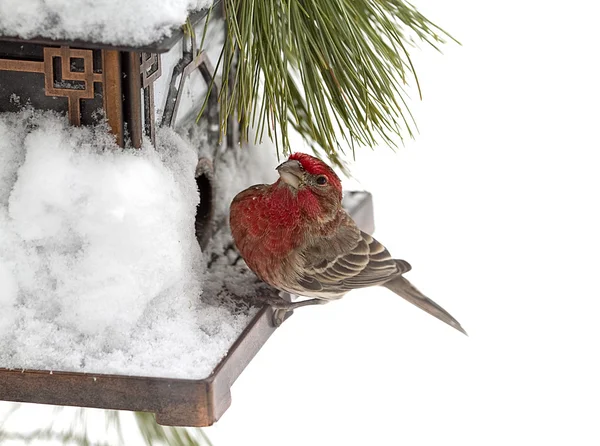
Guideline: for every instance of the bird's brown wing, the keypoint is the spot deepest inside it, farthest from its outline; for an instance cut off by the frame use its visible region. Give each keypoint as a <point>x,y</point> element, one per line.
<point>330,271</point>
<point>347,260</point>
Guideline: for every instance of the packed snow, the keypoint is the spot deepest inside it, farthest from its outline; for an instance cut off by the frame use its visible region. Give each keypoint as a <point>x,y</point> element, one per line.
<point>116,22</point>
<point>100,270</point>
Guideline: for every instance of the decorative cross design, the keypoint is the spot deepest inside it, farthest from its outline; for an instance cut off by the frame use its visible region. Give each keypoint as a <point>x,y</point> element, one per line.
<point>75,79</point>
<point>74,84</point>
<point>150,69</point>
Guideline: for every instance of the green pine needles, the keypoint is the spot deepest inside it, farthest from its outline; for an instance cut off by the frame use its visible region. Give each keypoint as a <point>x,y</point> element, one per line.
<point>74,426</point>
<point>334,70</point>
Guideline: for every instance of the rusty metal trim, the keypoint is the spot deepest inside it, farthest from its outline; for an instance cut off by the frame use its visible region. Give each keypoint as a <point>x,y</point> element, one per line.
<point>112,93</point>
<point>27,66</point>
<point>88,77</point>
<point>133,92</point>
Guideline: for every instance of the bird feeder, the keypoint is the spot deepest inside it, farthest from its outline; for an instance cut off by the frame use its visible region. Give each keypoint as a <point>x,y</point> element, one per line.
<point>137,89</point>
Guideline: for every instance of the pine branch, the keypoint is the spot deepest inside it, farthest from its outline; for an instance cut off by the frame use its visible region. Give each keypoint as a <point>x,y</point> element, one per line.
<point>329,69</point>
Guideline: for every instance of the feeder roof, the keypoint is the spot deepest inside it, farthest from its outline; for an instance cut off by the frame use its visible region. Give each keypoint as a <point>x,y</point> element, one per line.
<point>134,25</point>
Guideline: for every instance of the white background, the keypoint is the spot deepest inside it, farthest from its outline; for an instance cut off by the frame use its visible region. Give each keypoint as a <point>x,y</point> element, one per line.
<point>496,207</point>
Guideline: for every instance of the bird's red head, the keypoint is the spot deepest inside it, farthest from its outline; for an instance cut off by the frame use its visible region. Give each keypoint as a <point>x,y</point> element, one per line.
<point>314,184</point>
<point>317,168</point>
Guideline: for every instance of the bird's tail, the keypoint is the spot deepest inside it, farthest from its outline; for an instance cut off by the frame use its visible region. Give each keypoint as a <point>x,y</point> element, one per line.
<point>405,289</point>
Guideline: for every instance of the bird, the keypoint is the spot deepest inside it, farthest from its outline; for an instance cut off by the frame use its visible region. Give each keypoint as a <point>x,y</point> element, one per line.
<point>296,237</point>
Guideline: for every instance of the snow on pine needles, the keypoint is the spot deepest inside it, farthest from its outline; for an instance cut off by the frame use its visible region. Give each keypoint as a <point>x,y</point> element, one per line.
<point>100,270</point>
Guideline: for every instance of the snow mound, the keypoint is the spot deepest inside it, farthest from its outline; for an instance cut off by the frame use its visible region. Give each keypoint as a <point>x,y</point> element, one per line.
<point>100,270</point>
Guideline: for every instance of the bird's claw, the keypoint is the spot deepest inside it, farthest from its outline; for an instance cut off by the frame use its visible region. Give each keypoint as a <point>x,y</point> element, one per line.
<point>280,315</point>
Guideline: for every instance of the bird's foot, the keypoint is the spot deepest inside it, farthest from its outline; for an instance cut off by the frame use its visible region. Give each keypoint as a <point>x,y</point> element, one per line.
<point>280,315</point>
<point>283,309</point>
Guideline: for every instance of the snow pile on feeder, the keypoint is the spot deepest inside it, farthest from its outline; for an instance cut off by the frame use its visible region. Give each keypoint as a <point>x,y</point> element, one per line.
<point>114,22</point>
<point>100,270</point>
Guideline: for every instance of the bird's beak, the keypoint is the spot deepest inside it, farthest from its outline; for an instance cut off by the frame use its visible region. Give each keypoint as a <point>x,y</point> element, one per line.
<point>291,172</point>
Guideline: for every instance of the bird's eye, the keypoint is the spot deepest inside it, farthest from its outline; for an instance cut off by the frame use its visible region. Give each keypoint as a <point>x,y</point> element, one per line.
<point>322,180</point>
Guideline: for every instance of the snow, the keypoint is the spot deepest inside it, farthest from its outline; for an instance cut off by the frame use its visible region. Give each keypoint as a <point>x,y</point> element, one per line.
<point>235,170</point>
<point>100,270</point>
<point>131,22</point>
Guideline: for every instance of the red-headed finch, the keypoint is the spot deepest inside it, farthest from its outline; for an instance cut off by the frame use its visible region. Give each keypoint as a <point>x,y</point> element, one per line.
<point>296,237</point>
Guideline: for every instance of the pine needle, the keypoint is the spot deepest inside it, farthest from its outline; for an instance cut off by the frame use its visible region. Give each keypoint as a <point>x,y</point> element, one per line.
<point>329,69</point>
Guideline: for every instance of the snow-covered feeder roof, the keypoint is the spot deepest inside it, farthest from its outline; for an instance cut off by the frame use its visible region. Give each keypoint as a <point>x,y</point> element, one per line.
<point>141,25</point>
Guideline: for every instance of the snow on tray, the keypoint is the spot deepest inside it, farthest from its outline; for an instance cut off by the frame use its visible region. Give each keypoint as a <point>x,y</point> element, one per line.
<point>99,267</point>
<point>115,22</point>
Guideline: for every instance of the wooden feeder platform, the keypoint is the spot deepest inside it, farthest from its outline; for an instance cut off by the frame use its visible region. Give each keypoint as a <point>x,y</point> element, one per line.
<point>175,402</point>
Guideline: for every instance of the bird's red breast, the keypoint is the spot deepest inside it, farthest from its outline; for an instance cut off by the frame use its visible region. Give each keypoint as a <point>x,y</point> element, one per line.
<point>267,227</point>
